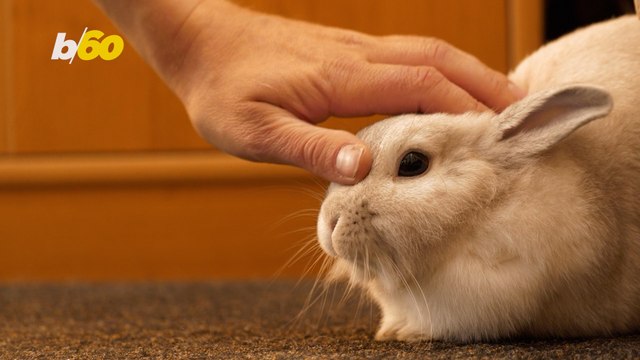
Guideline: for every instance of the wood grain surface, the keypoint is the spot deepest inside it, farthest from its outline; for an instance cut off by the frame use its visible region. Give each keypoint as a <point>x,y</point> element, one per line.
<point>168,232</point>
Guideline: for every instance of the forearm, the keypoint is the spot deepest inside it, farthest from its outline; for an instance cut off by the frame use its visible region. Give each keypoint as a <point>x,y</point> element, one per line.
<point>164,31</point>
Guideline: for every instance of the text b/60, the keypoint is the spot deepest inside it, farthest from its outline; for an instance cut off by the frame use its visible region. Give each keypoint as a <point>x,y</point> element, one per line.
<point>91,45</point>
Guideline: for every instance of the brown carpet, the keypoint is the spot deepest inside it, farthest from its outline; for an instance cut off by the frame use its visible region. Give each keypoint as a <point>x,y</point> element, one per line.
<point>229,320</point>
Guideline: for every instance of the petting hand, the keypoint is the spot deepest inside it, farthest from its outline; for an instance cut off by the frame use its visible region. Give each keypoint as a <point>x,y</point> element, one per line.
<point>255,85</point>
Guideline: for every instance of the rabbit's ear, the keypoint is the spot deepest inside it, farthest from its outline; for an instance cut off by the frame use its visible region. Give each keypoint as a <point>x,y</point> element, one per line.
<point>541,120</point>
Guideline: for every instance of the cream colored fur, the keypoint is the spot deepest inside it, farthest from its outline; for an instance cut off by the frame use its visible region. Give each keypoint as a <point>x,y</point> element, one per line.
<point>521,225</point>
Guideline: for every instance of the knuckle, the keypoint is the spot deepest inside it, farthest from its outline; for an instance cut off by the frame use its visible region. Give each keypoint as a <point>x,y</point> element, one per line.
<point>353,38</point>
<point>439,51</point>
<point>339,68</point>
<point>392,38</point>
<point>494,91</point>
<point>251,141</point>
<point>428,77</point>
<point>435,89</point>
<point>310,151</point>
<point>243,133</point>
<point>250,145</point>
<point>497,84</point>
<point>335,75</point>
<point>478,106</point>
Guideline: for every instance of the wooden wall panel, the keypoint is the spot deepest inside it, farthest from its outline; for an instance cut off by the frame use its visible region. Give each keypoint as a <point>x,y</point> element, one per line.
<point>525,29</point>
<point>161,216</point>
<point>188,232</point>
<point>478,27</point>
<point>169,125</point>
<point>87,105</point>
<point>5,48</point>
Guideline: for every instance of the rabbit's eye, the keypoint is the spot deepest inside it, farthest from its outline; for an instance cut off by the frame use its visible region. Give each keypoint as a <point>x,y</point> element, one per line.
<point>413,164</point>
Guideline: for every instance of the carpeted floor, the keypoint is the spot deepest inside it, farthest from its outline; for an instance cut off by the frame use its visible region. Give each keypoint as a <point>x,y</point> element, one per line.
<point>229,320</point>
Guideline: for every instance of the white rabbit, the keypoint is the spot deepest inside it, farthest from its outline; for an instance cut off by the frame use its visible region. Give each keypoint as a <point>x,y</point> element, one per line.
<point>485,226</point>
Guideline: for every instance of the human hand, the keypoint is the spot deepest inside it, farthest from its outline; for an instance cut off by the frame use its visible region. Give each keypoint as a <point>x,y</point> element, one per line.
<point>255,85</point>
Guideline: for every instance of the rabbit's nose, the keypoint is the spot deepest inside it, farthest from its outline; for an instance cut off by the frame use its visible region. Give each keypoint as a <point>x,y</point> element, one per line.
<point>333,224</point>
<point>326,227</point>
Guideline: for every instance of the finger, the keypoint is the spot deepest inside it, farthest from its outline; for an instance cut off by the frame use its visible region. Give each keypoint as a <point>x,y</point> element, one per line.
<point>335,155</point>
<point>485,84</point>
<point>394,89</point>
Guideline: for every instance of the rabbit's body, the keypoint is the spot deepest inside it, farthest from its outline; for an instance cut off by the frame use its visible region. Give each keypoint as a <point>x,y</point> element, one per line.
<point>520,226</point>
<point>608,151</point>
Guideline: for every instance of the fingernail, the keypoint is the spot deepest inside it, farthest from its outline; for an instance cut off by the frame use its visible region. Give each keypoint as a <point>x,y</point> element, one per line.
<point>348,160</point>
<point>516,91</point>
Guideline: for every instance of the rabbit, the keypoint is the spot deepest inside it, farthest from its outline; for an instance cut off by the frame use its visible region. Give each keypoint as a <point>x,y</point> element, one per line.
<point>485,226</point>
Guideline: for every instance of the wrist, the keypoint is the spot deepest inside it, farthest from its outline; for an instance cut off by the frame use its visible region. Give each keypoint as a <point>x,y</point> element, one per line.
<point>166,33</point>
<point>205,40</point>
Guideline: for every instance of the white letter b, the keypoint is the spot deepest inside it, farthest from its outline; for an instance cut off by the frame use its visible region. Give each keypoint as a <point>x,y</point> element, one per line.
<point>61,44</point>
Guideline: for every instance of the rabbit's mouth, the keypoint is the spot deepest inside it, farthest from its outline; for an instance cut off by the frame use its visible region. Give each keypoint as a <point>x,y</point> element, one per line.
<point>366,265</point>
<point>371,256</point>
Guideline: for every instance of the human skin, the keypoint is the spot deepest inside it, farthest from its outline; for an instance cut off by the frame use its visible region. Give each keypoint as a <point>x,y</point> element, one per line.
<point>255,85</point>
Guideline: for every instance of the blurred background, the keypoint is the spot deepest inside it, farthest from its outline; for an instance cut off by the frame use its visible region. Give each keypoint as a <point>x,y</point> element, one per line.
<point>103,178</point>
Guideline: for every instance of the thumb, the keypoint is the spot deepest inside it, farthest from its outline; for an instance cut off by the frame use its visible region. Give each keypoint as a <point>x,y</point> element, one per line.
<point>335,155</point>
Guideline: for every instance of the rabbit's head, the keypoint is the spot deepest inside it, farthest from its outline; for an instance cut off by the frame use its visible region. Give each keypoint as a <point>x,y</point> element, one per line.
<point>433,178</point>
